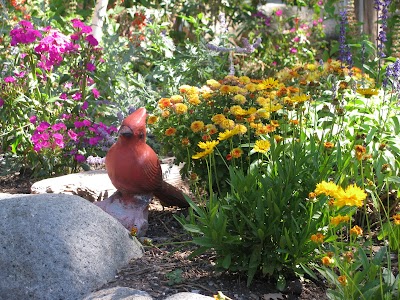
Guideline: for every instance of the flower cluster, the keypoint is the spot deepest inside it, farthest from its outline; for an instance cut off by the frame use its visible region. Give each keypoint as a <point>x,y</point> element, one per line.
<point>55,74</point>
<point>351,196</point>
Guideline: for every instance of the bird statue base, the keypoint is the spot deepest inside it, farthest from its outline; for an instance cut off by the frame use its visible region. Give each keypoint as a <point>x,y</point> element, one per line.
<point>132,212</point>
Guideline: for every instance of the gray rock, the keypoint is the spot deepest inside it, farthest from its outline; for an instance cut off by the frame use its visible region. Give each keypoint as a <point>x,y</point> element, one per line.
<point>91,185</point>
<point>59,247</point>
<point>118,293</point>
<point>188,296</point>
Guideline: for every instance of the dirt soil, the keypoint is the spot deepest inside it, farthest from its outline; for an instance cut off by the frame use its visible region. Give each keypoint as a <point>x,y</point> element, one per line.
<point>166,269</point>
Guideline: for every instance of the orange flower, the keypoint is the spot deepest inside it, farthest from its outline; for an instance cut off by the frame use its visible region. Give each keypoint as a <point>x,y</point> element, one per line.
<point>185,142</point>
<point>294,122</point>
<point>360,151</point>
<point>197,126</point>
<point>236,152</point>
<point>176,99</point>
<point>342,280</point>
<point>356,230</point>
<point>327,261</point>
<point>329,145</point>
<point>339,219</point>
<point>165,114</point>
<point>164,103</point>
<point>170,131</point>
<point>396,219</point>
<point>152,120</point>
<point>317,238</point>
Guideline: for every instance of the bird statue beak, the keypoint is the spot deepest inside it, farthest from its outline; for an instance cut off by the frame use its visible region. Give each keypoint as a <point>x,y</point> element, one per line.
<point>125,131</point>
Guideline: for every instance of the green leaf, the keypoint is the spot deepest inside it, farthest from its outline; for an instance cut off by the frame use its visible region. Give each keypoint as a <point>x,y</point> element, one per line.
<point>227,261</point>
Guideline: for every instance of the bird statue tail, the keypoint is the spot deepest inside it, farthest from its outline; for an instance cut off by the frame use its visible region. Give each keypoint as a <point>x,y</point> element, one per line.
<point>171,196</point>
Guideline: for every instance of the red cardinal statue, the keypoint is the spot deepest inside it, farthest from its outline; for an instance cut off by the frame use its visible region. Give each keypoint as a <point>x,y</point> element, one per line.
<point>134,169</point>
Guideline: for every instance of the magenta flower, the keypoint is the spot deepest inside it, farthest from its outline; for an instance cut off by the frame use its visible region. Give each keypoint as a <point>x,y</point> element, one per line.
<point>279,12</point>
<point>93,141</point>
<point>42,126</point>
<point>58,126</point>
<point>96,93</point>
<point>92,40</point>
<point>72,135</point>
<point>80,158</point>
<point>77,96</point>
<point>90,67</point>
<point>85,105</point>
<point>79,24</point>
<point>24,33</point>
<point>63,96</point>
<point>293,50</point>
<point>86,123</point>
<point>1,102</point>
<point>33,119</point>
<point>9,79</point>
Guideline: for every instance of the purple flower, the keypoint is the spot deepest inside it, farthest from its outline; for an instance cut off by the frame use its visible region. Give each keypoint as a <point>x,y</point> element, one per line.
<point>90,67</point>
<point>279,12</point>
<point>382,7</point>
<point>80,25</point>
<point>96,93</point>
<point>344,49</point>
<point>1,102</point>
<point>80,158</point>
<point>63,96</point>
<point>94,140</point>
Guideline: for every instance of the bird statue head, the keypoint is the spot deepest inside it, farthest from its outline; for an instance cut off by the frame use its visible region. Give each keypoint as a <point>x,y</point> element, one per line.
<point>133,127</point>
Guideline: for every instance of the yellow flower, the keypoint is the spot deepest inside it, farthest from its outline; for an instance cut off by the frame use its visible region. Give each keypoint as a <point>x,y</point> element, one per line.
<point>300,98</point>
<point>327,261</point>
<point>225,89</point>
<point>251,87</point>
<point>278,138</point>
<point>176,99</point>
<point>263,113</point>
<point>396,219</point>
<point>339,219</point>
<point>263,101</point>
<point>317,238</point>
<point>240,128</point>
<point>262,146</point>
<point>227,124</point>
<point>152,119</point>
<point>239,99</point>
<point>244,79</point>
<point>180,108</point>
<point>184,88</point>
<point>170,131</point>
<point>367,93</point>
<point>351,196</point>
<point>165,113</point>
<point>342,280</point>
<point>218,119</point>
<point>213,84</point>
<point>237,110</point>
<point>197,126</point>
<point>194,99</point>
<point>208,148</point>
<point>270,83</point>
<point>327,188</point>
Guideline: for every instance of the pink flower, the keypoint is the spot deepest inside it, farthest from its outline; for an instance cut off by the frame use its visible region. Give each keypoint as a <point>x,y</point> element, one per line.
<point>63,96</point>
<point>279,12</point>
<point>1,102</point>
<point>42,126</point>
<point>94,140</point>
<point>86,123</point>
<point>24,34</point>
<point>96,93</point>
<point>296,39</point>
<point>293,50</point>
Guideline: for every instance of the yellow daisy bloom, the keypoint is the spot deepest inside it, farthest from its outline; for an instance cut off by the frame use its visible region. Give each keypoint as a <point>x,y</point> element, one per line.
<point>213,84</point>
<point>351,196</point>
<point>335,221</point>
<point>218,118</point>
<point>327,188</point>
<point>262,146</point>
<point>180,108</point>
<point>152,119</point>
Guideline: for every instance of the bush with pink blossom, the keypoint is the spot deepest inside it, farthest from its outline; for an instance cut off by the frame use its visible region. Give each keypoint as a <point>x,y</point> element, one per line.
<point>51,107</point>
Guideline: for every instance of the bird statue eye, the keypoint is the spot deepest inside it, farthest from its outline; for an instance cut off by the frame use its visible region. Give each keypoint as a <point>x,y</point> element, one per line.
<point>141,135</point>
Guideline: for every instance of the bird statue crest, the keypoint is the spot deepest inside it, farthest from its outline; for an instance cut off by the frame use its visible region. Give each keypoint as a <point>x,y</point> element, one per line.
<point>135,171</point>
